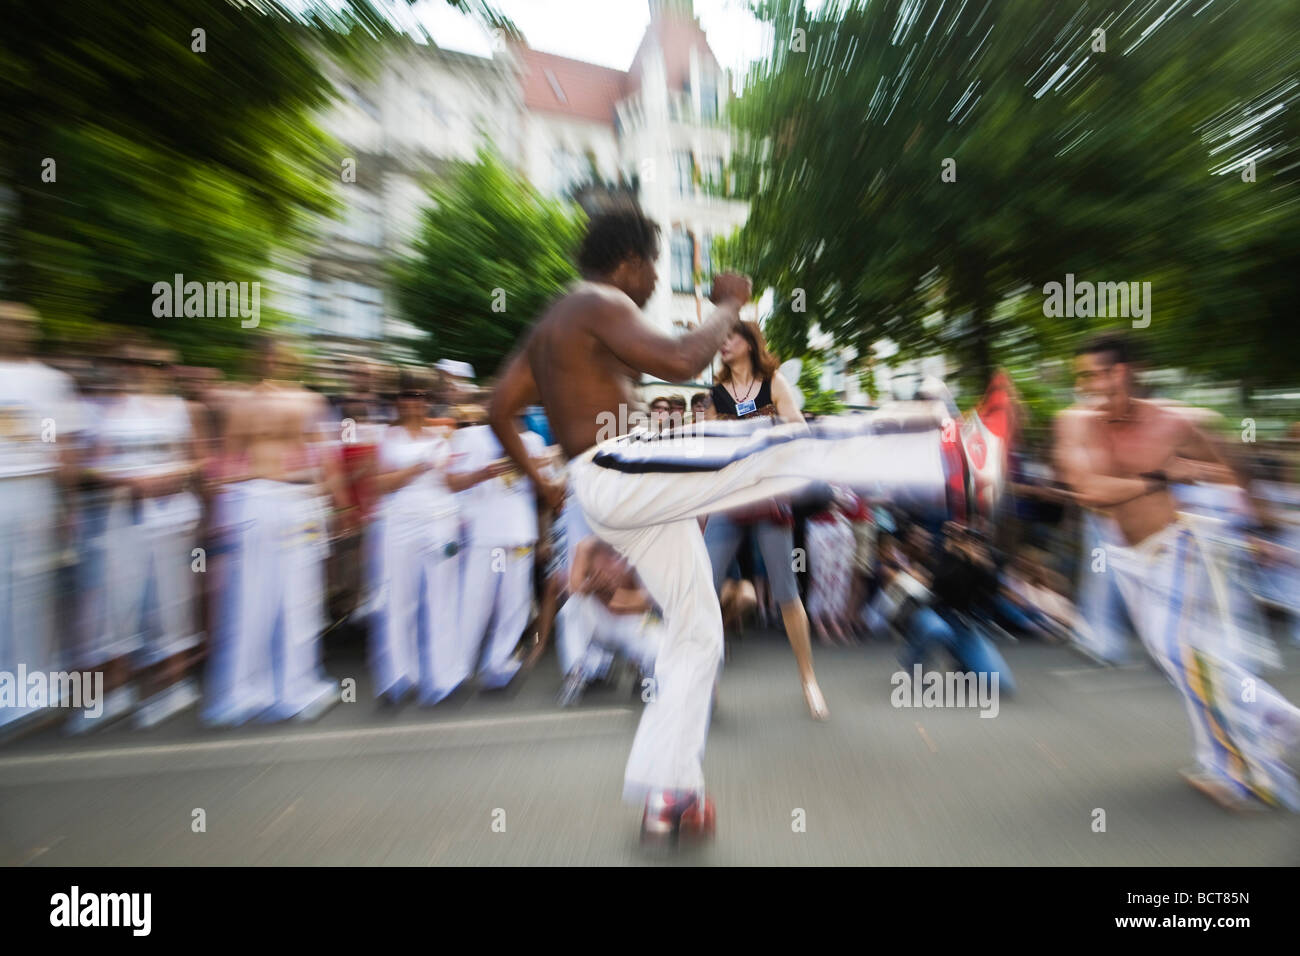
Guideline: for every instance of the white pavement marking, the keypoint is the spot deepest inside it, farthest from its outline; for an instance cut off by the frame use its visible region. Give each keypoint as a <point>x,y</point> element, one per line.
<point>374,733</point>
<point>1101,680</point>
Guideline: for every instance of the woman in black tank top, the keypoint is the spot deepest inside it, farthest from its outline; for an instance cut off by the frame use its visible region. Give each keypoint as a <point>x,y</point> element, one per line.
<point>725,404</point>
<point>750,384</point>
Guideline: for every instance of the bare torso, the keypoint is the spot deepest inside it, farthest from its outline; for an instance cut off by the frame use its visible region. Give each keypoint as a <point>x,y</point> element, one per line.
<point>581,383</point>
<point>268,427</point>
<point>1129,449</point>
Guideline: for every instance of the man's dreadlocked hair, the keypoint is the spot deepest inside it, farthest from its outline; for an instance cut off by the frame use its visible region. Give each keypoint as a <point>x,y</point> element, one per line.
<point>616,235</point>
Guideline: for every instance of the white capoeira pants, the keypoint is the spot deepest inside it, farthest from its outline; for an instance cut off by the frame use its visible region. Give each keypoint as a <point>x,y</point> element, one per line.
<point>415,604</point>
<point>1241,726</point>
<point>643,497</point>
<point>28,555</point>
<point>589,636</point>
<point>265,660</point>
<point>497,590</point>
<point>139,568</point>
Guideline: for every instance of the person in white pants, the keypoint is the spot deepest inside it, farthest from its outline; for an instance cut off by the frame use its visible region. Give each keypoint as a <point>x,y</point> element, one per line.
<point>271,536</point>
<point>1121,455</point>
<point>39,420</point>
<point>642,496</point>
<point>416,642</point>
<point>501,540</point>
<point>143,518</point>
<point>581,362</point>
<point>608,615</point>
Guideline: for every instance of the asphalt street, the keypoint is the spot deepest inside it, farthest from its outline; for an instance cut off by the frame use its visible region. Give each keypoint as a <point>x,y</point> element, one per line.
<point>508,778</point>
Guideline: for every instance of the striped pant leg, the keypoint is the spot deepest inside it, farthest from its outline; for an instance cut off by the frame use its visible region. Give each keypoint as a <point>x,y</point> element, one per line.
<point>1231,712</point>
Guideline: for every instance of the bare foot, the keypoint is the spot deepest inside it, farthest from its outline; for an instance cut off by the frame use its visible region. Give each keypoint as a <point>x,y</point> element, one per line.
<point>1221,792</point>
<point>812,695</point>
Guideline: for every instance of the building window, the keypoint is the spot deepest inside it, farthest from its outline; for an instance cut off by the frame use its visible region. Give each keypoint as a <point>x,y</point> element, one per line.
<point>363,218</point>
<point>683,252</point>
<point>568,170</point>
<point>708,97</point>
<point>684,173</point>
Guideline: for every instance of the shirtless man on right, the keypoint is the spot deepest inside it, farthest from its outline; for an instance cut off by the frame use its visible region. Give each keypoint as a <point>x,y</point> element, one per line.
<point>1118,454</point>
<point>269,531</point>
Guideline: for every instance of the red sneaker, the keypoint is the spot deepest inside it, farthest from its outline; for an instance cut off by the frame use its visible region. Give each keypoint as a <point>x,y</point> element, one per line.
<point>699,821</point>
<point>669,818</point>
<point>660,819</point>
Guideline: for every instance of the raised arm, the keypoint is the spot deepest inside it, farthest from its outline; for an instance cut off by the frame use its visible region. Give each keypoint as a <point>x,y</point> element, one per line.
<point>621,328</point>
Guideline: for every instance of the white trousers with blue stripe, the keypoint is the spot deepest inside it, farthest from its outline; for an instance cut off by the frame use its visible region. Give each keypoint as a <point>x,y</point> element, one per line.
<point>648,511</point>
<point>1241,726</point>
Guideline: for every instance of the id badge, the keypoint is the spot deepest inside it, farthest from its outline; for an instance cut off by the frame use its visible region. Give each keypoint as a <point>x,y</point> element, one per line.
<point>745,408</point>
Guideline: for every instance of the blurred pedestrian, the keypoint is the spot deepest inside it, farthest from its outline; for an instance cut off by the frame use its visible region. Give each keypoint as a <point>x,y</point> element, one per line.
<point>501,532</point>
<point>1120,454</point>
<point>751,384</point>
<point>39,424</point>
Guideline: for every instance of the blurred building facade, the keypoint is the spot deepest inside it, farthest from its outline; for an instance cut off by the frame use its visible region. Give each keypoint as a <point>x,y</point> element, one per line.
<point>654,130</point>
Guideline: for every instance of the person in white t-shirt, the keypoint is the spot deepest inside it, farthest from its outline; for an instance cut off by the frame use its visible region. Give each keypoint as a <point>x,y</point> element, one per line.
<point>416,641</point>
<point>39,417</point>
<point>142,517</point>
<point>501,537</point>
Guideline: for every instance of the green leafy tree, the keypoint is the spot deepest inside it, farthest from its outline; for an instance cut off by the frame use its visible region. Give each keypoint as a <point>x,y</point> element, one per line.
<point>816,400</point>
<point>1114,165</point>
<point>172,151</point>
<point>490,255</point>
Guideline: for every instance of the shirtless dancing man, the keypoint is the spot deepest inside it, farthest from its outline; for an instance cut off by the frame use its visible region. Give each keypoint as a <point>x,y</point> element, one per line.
<point>1118,454</point>
<point>581,361</point>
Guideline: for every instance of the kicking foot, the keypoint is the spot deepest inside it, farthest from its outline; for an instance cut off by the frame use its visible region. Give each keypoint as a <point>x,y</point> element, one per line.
<point>1222,791</point>
<point>674,819</point>
<point>812,695</point>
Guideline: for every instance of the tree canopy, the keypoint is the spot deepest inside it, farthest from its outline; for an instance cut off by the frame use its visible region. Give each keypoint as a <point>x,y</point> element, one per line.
<point>490,255</point>
<point>912,164</point>
<point>165,137</point>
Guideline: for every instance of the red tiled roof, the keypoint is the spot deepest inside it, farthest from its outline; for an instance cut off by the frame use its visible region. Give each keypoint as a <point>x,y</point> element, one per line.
<point>589,91</point>
<point>676,37</point>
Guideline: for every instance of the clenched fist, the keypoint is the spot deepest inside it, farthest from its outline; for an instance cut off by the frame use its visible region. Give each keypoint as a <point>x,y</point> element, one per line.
<point>731,285</point>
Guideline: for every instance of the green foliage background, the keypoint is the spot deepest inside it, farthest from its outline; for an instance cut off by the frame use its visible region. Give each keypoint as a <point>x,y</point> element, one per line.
<point>1114,172</point>
<point>485,229</point>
